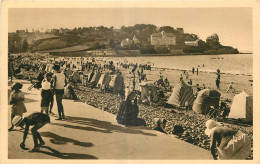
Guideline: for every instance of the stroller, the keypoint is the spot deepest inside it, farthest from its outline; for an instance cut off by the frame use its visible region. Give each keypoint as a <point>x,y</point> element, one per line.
<point>36,83</point>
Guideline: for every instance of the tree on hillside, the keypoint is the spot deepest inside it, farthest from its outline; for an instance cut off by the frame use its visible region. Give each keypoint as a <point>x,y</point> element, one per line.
<point>25,45</point>
<point>167,29</point>
<point>112,43</point>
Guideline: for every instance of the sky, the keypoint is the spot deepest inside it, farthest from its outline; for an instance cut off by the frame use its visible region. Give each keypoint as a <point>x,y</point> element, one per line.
<point>233,25</point>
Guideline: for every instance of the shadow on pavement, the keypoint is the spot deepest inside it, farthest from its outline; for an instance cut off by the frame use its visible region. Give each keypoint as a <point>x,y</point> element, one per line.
<point>100,126</point>
<point>56,139</point>
<point>55,153</point>
<point>27,100</point>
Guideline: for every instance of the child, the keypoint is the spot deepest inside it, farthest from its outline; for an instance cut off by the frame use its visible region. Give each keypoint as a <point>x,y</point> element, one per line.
<point>46,93</point>
<point>37,121</point>
<point>16,100</point>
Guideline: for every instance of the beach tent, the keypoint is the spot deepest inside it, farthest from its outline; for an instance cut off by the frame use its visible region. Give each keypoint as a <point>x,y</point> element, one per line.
<point>145,89</point>
<point>242,107</point>
<point>181,93</point>
<point>205,99</point>
<point>90,76</point>
<point>104,80</point>
<point>75,76</point>
<point>95,79</point>
<point>117,83</point>
<point>69,93</point>
<point>101,79</point>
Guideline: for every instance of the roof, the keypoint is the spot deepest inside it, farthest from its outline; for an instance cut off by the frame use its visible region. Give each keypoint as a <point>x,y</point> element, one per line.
<point>156,35</point>
<point>191,41</point>
<point>169,34</point>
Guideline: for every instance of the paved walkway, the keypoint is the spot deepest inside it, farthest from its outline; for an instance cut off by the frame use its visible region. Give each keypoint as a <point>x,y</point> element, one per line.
<point>90,133</point>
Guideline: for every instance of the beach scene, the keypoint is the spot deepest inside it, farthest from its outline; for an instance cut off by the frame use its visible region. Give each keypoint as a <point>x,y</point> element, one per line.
<point>107,89</point>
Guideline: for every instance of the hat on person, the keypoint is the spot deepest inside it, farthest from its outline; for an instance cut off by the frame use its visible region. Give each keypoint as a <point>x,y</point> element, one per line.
<point>130,93</point>
<point>17,85</point>
<point>17,120</point>
<point>210,124</point>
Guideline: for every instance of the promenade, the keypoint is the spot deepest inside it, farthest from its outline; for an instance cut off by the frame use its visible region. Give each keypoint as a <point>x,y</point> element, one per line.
<point>90,133</point>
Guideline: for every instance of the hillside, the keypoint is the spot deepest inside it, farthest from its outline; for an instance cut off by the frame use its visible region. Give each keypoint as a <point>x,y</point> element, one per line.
<point>86,38</point>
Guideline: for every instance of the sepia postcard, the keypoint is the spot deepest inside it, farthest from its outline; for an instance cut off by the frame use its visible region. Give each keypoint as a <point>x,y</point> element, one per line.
<point>129,81</point>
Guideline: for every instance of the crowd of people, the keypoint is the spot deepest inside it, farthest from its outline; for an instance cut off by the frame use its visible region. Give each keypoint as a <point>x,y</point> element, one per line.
<point>53,81</point>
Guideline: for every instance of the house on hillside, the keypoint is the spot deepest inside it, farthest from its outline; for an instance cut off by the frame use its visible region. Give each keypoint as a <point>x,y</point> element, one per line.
<point>136,40</point>
<point>128,42</point>
<point>163,39</point>
<point>192,43</point>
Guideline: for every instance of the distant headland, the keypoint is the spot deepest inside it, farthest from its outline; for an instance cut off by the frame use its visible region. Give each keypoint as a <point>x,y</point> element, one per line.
<point>137,40</point>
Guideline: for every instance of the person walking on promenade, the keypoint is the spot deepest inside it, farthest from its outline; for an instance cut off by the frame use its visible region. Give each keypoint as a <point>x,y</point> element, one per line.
<point>16,100</point>
<point>58,86</point>
<point>46,93</point>
<point>37,120</point>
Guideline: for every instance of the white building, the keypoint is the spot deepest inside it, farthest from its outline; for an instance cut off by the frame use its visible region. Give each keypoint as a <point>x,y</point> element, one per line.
<point>163,39</point>
<point>192,43</point>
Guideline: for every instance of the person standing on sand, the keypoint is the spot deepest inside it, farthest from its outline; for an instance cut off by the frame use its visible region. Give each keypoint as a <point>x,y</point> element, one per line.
<point>217,84</point>
<point>181,78</point>
<point>197,71</point>
<point>230,88</point>
<point>58,86</point>
<point>190,82</point>
<point>193,70</point>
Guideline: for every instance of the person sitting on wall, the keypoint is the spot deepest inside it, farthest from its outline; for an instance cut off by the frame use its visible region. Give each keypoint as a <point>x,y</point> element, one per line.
<point>128,111</point>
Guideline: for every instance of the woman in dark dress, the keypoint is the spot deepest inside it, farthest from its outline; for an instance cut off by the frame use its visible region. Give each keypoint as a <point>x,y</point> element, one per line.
<point>128,111</point>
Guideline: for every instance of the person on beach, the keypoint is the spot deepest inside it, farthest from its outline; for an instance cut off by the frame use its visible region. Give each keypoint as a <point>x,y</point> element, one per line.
<point>46,94</point>
<point>16,100</point>
<point>193,70</point>
<point>229,143</point>
<point>58,86</point>
<point>128,112</point>
<point>190,82</point>
<point>197,71</point>
<point>217,84</point>
<point>187,75</point>
<point>230,88</point>
<point>159,124</point>
<point>203,86</point>
<point>219,136</point>
<point>37,120</point>
<point>181,78</point>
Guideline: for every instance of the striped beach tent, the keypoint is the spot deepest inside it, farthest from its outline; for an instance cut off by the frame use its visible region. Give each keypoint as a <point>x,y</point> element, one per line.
<point>117,83</point>
<point>95,79</point>
<point>181,93</point>
<point>205,99</point>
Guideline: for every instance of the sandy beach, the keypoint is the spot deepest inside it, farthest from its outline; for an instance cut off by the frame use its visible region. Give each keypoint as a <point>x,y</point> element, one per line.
<point>110,102</point>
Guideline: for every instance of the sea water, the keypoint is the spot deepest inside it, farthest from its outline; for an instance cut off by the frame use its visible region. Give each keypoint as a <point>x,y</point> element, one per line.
<point>228,63</point>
